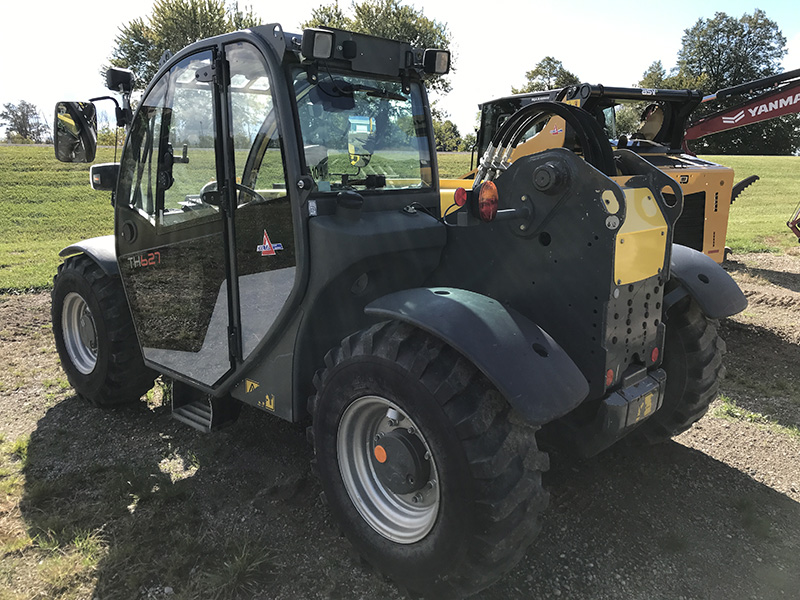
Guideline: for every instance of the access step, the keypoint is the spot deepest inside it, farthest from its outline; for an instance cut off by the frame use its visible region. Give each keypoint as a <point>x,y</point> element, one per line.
<point>202,411</point>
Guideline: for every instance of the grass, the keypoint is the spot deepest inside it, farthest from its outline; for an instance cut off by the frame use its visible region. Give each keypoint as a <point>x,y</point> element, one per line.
<point>728,409</point>
<point>48,205</point>
<point>758,217</point>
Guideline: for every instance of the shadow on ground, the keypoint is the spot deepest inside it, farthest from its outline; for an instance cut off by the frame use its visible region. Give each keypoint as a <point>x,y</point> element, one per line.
<point>239,508</point>
<point>761,366</point>
<point>784,279</point>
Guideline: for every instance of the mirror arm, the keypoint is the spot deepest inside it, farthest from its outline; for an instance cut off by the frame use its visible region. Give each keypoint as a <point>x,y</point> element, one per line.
<point>123,113</point>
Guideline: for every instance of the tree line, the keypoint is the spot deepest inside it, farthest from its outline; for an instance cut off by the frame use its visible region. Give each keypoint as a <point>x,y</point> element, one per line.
<point>716,53</point>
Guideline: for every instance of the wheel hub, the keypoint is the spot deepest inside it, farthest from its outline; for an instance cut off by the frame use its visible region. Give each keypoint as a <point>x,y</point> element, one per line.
<point>79,333</point>
<point>400,462</point>
<point>388,469</point>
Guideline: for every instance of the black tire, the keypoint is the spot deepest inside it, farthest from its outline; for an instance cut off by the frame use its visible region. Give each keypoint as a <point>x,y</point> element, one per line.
<point>693,354</point>
<point>94,335</point>
<point>474,522</point>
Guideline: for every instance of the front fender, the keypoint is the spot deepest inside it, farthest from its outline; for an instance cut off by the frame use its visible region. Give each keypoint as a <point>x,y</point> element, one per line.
<point>527,366</point>
<point>709,284</point>
<point>100,249</point>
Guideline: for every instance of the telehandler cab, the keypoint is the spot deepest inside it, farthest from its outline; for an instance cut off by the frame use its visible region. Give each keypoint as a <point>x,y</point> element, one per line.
<point>278,237</point>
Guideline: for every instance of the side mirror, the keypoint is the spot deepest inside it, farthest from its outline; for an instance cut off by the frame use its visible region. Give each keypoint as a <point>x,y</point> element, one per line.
<point>75,132</point>
<point>360,140</point>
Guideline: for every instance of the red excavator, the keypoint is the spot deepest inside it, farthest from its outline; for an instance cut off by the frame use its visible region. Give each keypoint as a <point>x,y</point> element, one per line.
<point>781,98</point>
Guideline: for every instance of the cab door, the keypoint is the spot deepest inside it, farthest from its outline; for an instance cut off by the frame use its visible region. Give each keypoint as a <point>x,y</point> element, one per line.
<point>177,203</point>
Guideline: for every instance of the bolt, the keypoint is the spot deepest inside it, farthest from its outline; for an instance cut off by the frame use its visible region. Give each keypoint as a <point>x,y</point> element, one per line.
<point>378,436</point>
<point>523,227</point>
<point>411,430</point>
<point>427,456</point>
<point>392,423</point>
<point>417,498</point>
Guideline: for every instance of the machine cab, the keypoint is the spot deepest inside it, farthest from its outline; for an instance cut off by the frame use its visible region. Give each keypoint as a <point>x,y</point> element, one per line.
<point>239,140</point>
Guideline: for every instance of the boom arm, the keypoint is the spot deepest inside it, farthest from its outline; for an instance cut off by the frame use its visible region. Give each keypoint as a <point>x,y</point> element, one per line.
<point>784,100</point>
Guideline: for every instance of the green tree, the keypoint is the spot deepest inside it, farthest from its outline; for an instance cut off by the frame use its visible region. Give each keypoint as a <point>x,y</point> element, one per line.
<point>448,139</point>
<point>548,74</point>
<point>173,24</point>
<point>24,123</point>
<point>722,52</point>
<point>468,142</point>
<point>388,19</point>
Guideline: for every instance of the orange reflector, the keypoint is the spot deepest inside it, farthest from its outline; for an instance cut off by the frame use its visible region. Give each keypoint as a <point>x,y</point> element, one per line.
<point>460,197</point>
<point>487,201</point>
<point>380,454</point>
<point>654,355</point>
<point>609,377</point>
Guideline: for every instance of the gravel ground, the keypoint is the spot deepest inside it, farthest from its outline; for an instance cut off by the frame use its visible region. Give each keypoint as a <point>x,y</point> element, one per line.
<point>714,514</point>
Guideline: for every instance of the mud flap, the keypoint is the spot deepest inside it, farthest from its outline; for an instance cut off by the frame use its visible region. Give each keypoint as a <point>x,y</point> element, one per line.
<point>708,283</point>
<point>527,366</point>
<point>100,249</point>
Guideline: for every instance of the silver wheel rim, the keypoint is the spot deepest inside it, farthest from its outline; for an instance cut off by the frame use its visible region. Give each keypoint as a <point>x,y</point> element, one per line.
<point>80,334</point>
<point>402,518</point>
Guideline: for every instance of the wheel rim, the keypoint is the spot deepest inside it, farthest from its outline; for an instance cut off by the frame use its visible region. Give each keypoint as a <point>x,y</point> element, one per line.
<point>80,333</point>
<point>402,518</point>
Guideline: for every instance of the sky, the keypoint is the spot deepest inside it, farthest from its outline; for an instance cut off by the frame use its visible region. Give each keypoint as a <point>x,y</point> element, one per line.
<point>60,56</point>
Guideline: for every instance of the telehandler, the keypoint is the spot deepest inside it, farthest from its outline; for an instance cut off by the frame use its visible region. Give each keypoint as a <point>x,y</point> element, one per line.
<point>278,242</point>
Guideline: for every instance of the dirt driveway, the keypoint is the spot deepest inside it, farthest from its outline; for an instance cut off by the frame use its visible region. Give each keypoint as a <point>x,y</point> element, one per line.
<point>714,514</point>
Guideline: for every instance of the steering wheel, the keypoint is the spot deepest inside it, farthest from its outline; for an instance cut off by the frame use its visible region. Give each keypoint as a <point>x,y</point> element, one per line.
<point>211,186</point>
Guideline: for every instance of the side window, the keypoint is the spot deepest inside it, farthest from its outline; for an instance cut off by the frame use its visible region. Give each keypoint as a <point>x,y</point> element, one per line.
<point>256,132</point>
<point>171,160</point>
<point>140,161</point>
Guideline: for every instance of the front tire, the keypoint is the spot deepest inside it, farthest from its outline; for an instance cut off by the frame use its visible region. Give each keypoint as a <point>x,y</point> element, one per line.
<point>424,464</point>
<point>693,354</point>
<point>94,335</point>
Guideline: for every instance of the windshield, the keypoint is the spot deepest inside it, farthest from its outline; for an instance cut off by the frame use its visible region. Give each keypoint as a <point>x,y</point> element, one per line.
<point>363,133</point>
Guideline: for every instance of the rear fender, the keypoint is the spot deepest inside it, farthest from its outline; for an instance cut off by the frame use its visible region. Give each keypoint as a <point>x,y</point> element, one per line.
<point>527,366</point>
<point>100,249</point>
<point>709,284</point>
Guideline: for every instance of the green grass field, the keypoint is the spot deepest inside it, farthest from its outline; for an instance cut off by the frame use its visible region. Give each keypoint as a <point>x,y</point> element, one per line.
<point>47,205</point>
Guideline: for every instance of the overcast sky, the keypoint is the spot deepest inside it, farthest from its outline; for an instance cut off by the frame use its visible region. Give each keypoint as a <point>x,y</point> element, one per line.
<point>54,51</point>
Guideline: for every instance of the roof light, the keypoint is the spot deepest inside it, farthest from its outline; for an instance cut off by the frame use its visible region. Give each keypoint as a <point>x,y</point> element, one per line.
<point>487,201</point>
<point>436,62</point>
<point>317,43</point>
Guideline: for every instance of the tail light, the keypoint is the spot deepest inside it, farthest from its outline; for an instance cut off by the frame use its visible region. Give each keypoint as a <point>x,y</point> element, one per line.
<point>460,197</point>
<point>487,201</point>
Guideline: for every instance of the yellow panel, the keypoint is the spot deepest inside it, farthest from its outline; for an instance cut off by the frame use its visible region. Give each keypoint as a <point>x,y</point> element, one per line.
<point>551,136</point>
<point>642,239</point>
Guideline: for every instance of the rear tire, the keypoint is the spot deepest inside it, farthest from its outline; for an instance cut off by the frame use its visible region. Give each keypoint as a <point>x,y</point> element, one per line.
<point>693,354</point>
<point>94,335</point>
<point>468,507</point>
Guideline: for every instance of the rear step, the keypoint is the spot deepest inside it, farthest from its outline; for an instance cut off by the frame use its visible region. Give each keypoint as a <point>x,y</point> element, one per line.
<point>201,411</point>
<point>197,414</point>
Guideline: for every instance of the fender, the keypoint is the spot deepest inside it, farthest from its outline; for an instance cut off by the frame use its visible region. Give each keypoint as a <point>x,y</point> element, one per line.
<point>704,280</point>
<point>100,249</point>
<point>527,366</point>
